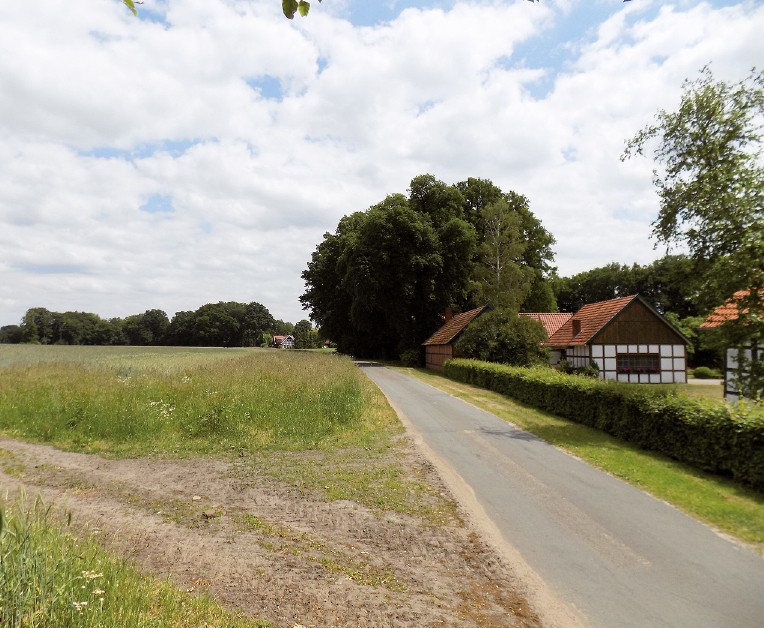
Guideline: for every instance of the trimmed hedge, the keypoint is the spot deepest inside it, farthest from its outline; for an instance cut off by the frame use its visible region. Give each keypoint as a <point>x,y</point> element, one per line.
<point>710,435</point>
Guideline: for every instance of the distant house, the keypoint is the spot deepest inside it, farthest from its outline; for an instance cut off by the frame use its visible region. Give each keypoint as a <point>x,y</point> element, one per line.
<point>627,339</point>
<point>729,311</point>
<point>283,342</point>
<point>440,346</point>
<point>551,322</point>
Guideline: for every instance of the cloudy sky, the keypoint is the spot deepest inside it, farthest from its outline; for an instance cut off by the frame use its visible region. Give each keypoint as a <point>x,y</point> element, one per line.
<point>199,152</point>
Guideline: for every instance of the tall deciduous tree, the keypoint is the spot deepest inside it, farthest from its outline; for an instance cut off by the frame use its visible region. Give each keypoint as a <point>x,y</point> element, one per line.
<point>377,285</point>
<point>710,180</point>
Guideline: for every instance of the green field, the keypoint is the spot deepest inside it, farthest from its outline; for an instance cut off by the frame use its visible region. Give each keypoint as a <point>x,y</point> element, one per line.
<point>164,401</point>
<point>311,420</point>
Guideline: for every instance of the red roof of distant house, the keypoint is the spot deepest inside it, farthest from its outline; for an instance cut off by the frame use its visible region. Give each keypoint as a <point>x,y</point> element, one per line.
<point>582,326</point>
<point>729,311</point>
<point>446,334</point>
<point>551,321</point>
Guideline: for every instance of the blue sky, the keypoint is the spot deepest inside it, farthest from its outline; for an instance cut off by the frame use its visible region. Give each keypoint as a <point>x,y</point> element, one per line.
<point>199,153</point>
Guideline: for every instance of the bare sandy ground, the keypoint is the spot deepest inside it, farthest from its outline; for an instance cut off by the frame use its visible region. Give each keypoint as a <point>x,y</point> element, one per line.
<point>275,553</point>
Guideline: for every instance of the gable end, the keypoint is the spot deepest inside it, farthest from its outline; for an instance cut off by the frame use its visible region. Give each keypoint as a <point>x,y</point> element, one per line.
<point>638,323</point>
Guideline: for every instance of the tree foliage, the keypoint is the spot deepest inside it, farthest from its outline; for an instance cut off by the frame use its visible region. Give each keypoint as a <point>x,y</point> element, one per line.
<point>225,324</point>
<point>710,180</point>
<point>289,7</point>
<point>672,283</point>
<point>502,336</point>
<point>377,284</point>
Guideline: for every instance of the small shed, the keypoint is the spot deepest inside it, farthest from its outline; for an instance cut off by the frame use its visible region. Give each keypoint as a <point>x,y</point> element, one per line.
<point>729,311</point>
<point>440,346</point>
<point>627,339</point>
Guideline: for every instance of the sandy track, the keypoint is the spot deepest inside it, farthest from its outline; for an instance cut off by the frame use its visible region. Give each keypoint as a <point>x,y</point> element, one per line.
<point>270,551</point>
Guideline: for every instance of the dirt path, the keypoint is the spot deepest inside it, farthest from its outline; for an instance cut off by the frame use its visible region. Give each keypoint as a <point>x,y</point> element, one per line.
<point>266,549</point>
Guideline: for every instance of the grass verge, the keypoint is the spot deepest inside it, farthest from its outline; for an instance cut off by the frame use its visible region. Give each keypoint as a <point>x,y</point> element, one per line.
<point>49,578</point>
<point>717,501</point>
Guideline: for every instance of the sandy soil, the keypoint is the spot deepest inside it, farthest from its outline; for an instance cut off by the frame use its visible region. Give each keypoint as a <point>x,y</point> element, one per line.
<point>274,553</point>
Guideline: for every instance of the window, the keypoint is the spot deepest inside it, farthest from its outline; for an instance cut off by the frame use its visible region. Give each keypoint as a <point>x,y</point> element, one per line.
<point>638,363</point>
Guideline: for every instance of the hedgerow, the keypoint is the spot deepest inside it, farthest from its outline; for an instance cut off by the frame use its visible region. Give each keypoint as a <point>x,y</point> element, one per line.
<point>710,435</point>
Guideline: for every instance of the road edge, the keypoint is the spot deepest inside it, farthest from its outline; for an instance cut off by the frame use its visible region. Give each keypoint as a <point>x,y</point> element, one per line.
<point>551,609</point>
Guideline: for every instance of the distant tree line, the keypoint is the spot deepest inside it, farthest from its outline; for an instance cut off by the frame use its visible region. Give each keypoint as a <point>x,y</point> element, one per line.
<point>672,283</point>
<point>224,324</point>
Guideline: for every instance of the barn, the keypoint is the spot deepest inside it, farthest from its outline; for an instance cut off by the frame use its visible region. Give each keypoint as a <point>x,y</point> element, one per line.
<point>440,346</point>
<point>627,339</point>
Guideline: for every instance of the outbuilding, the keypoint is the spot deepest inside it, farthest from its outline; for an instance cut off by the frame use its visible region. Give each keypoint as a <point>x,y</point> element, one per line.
<point>440,346</point>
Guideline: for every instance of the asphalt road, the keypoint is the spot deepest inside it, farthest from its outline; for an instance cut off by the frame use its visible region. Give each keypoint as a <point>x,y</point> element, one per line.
<point>619,556</point>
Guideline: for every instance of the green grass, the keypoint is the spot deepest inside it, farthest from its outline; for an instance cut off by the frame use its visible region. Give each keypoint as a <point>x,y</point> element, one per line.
<point>49,578</point>
<point>719,502</point>
<point>310,420</point>
<point>136,402</point>
<point>314,420</point>
<point>701,391</point>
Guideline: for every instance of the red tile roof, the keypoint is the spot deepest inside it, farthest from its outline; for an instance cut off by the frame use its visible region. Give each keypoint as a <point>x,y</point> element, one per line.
<point>727,312</point>
<point>446,334</point>
<point>551,322</point>
<point>591,318</point>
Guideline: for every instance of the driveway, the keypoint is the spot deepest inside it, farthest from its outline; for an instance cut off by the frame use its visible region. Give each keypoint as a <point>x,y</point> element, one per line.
<point>613,554</point>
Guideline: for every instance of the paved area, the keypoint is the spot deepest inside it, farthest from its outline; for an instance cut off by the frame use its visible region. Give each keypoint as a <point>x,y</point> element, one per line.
<point>619,556</point>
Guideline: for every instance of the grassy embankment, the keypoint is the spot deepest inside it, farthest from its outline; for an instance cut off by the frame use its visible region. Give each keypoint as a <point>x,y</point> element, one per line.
<point>312,420</point>
<point>717,501</point>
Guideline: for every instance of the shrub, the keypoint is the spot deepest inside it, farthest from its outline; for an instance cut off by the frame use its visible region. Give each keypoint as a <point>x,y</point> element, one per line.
<point>503,336</point>
<point>704,372</point>
<point>587,371</point>
<point>713,436</point>
<point>411,357</point>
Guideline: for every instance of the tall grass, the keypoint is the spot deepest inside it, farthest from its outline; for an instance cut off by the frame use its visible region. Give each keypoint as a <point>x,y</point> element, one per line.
<point>49,578</point>
<point>242,400</point>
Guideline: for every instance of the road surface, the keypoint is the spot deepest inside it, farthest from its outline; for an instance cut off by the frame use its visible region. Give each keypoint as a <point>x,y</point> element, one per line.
<point>615,554</point>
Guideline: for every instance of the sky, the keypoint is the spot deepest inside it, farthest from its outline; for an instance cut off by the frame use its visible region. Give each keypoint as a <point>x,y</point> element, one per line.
<point>199,152</point>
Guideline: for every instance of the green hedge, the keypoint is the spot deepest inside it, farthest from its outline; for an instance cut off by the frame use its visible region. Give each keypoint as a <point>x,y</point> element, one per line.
<point>710,435</point>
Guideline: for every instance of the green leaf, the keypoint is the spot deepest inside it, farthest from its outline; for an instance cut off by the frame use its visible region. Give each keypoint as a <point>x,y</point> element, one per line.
<point>304,7</point>
<point>130,5</point>
<point>289,7</point>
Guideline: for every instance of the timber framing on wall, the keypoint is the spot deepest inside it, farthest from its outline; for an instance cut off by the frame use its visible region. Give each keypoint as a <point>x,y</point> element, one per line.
<point>627,339</point>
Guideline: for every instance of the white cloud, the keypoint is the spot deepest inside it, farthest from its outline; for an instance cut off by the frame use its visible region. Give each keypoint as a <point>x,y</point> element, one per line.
<point>100,112</point>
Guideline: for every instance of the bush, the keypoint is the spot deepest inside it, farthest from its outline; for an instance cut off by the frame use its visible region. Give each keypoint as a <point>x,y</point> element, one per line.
<point>713,436</point>
<point>503,336</point>
<point>411,357</point>
<point>587,371</point>
<point>703,372</point>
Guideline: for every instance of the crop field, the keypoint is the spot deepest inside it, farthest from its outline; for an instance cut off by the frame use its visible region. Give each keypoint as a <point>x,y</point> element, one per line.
<point>273,487</point>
